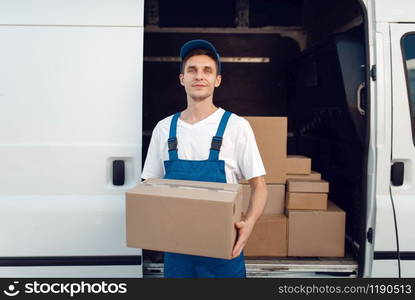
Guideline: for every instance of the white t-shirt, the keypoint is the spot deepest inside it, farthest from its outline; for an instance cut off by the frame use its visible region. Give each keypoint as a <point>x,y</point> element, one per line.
<point>239,149</point>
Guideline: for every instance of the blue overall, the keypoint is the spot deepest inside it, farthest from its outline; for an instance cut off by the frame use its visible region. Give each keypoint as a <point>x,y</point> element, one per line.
<point>213,170</point>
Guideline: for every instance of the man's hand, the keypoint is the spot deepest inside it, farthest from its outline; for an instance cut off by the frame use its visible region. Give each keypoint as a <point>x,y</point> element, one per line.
<point>259,194</point>
<point>244,228</point>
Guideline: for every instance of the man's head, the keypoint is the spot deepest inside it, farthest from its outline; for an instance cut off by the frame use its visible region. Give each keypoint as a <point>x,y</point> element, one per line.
<point>197,47</point>
<point>200,69</point>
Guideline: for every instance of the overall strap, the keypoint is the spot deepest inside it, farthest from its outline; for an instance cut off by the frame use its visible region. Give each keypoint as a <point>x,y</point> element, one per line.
<point>172,141</point>
<point>217,139</point>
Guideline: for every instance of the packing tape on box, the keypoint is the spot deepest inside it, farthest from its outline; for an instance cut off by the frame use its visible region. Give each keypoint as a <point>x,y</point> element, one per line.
<point>188,187</point>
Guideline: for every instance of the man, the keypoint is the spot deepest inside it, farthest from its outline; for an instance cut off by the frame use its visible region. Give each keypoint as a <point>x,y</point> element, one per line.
<point>206,143</point>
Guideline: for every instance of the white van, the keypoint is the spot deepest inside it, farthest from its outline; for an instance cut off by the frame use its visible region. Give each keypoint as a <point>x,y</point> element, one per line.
<point>83,83</point>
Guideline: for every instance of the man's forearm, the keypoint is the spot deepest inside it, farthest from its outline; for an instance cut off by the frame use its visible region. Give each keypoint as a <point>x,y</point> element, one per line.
<point>258,198</point>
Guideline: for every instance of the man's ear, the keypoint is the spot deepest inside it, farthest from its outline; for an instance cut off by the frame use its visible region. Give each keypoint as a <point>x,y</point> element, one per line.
<point>218,80</point>
<point>181,79</point>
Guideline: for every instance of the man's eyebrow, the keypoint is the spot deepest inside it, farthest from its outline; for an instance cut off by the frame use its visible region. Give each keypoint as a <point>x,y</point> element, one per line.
<point>193,67</point>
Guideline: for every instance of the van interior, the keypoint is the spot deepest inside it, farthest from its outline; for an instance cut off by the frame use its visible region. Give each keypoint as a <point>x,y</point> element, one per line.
<point>303,59</point>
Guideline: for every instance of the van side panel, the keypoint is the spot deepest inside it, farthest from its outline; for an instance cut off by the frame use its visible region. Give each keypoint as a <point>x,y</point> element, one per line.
<point>384,231</point>
<point>71,89</point>
<point>73,12</point>
<point>394,11</point>
<point>403,140</point>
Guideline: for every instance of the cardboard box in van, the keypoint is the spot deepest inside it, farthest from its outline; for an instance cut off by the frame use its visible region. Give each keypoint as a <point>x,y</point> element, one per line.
<point>269,237</point>
<point>271,138</point>
<point>307,186</point>
<point>275,200</point>
<point>317,232</point>
<point>310,201</point>
<point>312,176</point>
<point>189,217</point>
<point>298,164</point>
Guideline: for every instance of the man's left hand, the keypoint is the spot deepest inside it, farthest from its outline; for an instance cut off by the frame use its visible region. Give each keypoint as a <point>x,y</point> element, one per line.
<point>244,228</point>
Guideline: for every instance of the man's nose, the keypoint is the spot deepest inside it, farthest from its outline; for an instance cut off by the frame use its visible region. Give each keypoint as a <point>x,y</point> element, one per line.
<point>199,74</point>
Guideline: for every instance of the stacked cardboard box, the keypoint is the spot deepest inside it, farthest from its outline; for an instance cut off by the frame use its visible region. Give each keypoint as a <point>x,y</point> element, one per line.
<point>298,164</point>
<point>269,236</point>
<point>307,194</point>
<point>318,233</point>
<point>312,225</point>
<point>275,202</point>
<point>299,167</point>
<point>271,138</point>
<point>316,226</point>
<point>312,176</point>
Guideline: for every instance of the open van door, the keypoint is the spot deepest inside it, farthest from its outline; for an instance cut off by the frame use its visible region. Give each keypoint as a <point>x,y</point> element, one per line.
<point>403,143</point>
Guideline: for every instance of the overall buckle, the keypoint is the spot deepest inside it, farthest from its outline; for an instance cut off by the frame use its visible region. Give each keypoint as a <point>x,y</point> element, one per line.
<point>216,143</point>
<point>172,143</point>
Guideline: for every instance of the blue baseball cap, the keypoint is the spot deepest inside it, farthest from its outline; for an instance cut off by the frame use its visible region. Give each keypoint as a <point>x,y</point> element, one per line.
<point>199,44</point>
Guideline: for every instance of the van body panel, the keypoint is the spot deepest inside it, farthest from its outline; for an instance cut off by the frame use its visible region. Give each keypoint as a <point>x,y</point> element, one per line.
<point>403,149</point>
<point>372,155</point>
<point>56,225</point>
<point>385,268</point>
<point>72,12</point>
<point>73,72</point>
<point>380,213</point>
<point>408,269</point>
<point>72,105</point>
<point>384,232</point>
<point>394,11</point>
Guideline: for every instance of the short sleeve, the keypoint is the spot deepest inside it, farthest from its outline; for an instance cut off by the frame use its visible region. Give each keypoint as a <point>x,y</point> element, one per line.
<point>249,158</point>
<point>153,165</point>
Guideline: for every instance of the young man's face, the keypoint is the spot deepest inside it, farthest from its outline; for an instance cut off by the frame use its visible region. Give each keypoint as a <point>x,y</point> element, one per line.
<point>199,77</point>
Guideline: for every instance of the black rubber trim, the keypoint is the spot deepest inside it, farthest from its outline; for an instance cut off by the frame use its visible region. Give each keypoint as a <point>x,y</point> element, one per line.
<point>387,255</point>
<point>71,261</point>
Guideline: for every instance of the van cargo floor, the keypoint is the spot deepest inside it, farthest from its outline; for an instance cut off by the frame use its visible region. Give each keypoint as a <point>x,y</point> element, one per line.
<point>273,267</point>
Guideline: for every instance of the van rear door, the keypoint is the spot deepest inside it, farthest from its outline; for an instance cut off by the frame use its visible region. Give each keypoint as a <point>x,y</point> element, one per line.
<point>403,143</point>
